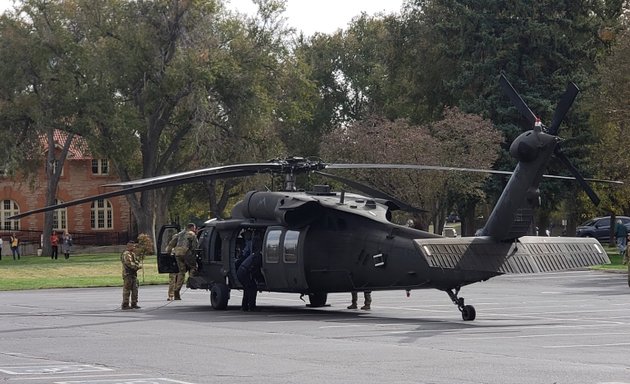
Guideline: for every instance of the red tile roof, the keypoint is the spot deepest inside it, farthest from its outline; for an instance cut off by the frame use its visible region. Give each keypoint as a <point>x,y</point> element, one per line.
<point>79,148</point>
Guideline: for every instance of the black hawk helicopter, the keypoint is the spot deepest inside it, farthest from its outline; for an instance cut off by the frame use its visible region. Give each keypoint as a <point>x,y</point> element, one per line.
<point>320,241</point>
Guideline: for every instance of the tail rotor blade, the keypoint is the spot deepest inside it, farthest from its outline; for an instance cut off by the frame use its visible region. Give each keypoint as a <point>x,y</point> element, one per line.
<point>587,188</point>
<point>517,100</point>
<point>563,107</point>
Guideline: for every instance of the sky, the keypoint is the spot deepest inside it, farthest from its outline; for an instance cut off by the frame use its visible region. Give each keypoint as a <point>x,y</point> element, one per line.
<point>311,16</point>
<point>324,16</point>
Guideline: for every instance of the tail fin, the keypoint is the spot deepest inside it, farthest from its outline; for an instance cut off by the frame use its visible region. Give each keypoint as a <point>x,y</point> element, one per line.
<point>512,216</point>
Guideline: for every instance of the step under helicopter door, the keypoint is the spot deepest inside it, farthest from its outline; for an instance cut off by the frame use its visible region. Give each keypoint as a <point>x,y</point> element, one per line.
<point>283,264</point>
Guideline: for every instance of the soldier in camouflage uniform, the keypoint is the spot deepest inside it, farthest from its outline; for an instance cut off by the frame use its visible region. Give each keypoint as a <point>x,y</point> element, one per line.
<point>184,245</point>
<point>367,296</point>
<point>130,266</point>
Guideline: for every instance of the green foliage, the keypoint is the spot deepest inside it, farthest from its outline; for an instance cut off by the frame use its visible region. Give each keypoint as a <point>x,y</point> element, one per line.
<point>162,86</point>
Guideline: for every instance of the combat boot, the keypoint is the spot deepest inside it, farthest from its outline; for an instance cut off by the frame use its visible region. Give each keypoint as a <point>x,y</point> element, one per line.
<point>177,296</point>
<point>125,306</point>
<point>170,298</point>
<point>366,307</point>
<point>352,306</point>
<point>135,306</point>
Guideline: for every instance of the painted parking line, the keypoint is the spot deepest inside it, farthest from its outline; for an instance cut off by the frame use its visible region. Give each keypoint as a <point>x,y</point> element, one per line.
<point>72,374</point>
<point>51,369</point>
<point>154,380</point>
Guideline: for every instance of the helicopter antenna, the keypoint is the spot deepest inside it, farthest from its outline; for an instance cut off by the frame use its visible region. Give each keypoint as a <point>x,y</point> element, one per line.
<point>289,182</point>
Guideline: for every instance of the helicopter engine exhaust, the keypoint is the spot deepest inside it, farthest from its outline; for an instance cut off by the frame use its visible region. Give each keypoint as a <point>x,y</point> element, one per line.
<point>278,206</point>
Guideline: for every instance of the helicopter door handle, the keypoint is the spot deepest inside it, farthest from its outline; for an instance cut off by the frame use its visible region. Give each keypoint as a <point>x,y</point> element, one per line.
<point>379,261</point>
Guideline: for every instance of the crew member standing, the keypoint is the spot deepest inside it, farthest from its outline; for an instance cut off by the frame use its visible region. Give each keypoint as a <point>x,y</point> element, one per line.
<point>184,244</point>
<point>621,235</point>
<point>54,242</point>
<point>0,248</point>
<point>249,274</point>
<point>130,266</point>
<point>367,300</point>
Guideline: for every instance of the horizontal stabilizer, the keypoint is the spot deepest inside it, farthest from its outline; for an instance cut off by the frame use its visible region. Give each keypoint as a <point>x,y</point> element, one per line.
<point>529,254</point>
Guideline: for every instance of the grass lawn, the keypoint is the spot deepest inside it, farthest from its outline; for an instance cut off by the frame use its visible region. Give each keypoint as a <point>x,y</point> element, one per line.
<point>105,270</point>
<point>80,271</point>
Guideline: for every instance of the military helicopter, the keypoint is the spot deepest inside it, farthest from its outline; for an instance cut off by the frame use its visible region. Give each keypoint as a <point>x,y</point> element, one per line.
<point>320,241</point>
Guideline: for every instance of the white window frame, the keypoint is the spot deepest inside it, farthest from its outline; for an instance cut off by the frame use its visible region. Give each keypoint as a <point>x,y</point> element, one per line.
<point>102,214</point>
<point>9,208</point>
<point>101,165</point>
<point>60,217</point>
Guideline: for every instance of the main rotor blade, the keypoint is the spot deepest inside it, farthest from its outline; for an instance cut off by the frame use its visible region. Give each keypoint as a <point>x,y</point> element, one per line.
<point>164,181</point>
<point>224,171</point>
<point>563,107</point>
<point>441,168</point>
<point>587,188</point>
<point>517,100</point>
<point>373,192</point>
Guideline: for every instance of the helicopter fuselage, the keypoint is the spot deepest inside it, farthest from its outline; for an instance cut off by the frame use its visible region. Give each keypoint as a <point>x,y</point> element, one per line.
<point>318,243</point>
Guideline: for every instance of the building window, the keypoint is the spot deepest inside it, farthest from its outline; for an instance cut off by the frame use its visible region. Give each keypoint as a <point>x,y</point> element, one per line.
<point>60,217</point>
<point>55,166</point>
<point>8,209</point>
<point>102,215</point>
<point>100,167</point>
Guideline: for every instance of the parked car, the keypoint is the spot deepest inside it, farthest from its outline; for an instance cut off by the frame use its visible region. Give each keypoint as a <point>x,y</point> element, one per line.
<point>599,227</point>
<point>453,218</point>
<point>449,232</point>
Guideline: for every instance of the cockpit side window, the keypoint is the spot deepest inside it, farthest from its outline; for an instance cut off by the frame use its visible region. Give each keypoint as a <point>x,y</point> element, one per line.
<point>204,245</point>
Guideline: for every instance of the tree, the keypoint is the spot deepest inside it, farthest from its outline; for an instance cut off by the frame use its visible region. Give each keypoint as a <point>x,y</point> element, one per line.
<point>45,95</point>
<point>459,139</point>
<point>610,115</point>
<point>540,46</point>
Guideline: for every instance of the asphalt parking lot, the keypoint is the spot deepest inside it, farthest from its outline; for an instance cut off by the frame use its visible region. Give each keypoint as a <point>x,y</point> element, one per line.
<point>570,327</point>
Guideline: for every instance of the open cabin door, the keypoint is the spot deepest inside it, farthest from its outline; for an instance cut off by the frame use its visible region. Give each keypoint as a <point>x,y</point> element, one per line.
<point>165,261</point>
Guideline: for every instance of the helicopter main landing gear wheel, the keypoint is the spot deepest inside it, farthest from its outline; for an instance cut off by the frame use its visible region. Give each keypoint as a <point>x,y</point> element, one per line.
<point>219,296</point>
<point>468,311</point>
<point>317,299</point>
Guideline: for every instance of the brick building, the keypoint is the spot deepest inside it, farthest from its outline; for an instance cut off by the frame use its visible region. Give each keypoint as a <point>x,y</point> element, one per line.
<point>102,222</point>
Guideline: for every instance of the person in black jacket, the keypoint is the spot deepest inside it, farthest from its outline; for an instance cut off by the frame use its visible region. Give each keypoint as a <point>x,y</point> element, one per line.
<point>249,274</point>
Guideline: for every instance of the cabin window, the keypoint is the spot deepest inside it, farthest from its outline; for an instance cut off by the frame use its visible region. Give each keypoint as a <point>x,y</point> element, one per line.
<point>8,209</point>
<point>55,166</point>
<point>272,246</point>
<point>102,215</point>
<point>216,254</point>
<point>204,245</point>
<point>290,246</point>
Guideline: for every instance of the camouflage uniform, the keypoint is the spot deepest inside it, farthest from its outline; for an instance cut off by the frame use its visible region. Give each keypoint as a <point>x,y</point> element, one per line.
<point>367,296</point>
<point>183,245</point>
<point>172,279</point>
<point>130,266</point>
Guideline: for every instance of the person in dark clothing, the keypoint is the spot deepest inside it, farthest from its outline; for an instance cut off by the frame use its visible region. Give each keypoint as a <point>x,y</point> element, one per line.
<point>249,274</point>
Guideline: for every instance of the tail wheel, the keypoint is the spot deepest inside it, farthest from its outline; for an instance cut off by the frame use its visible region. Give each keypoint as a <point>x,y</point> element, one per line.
<point>317,299</point>
<point>468,313</point>
<point>219,296</point>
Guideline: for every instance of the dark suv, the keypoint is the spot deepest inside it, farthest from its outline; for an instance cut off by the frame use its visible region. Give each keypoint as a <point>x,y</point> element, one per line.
<point>599,227</point>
